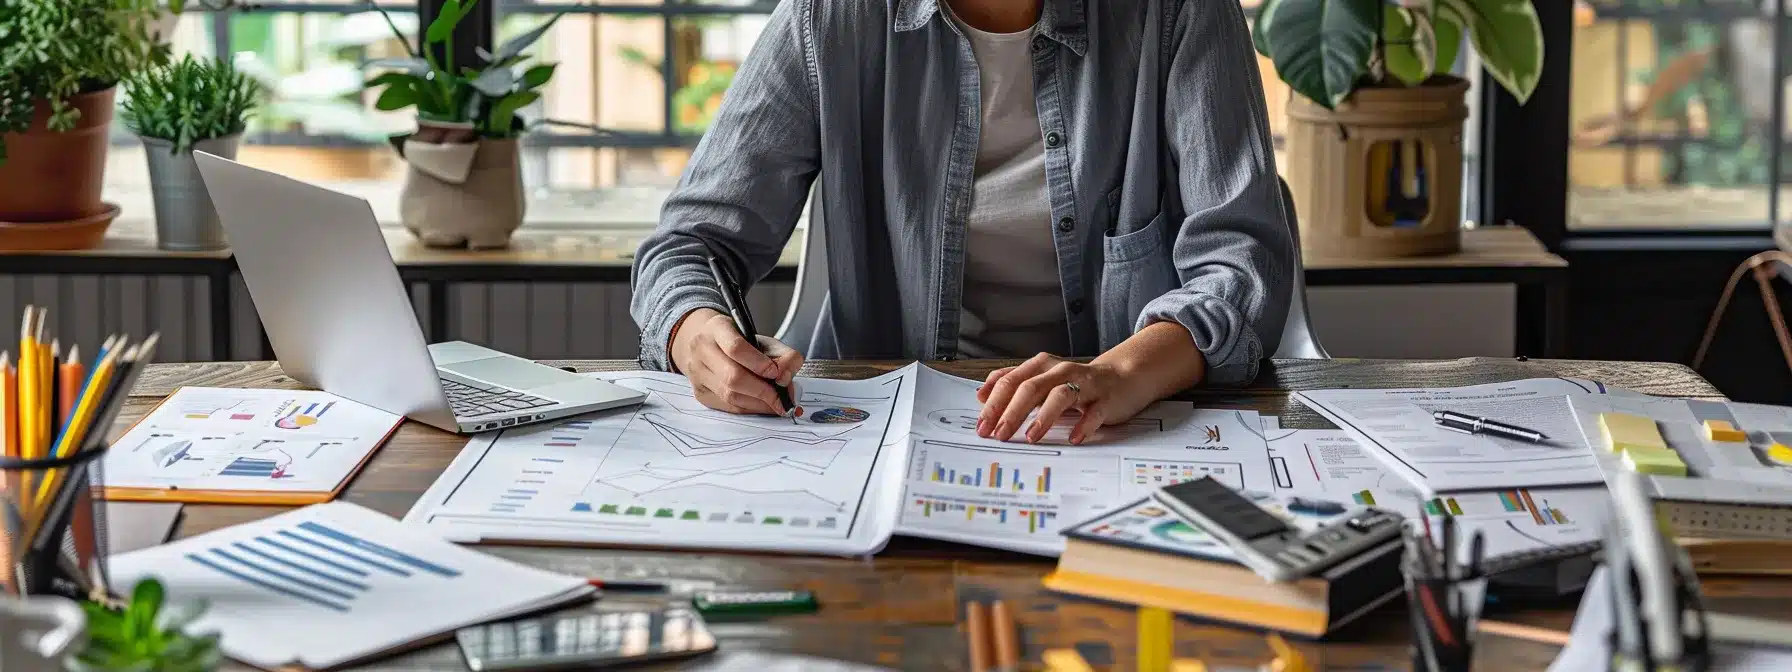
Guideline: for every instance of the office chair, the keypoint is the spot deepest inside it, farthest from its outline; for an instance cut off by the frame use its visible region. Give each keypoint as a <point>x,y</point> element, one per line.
<point>1298,339</point>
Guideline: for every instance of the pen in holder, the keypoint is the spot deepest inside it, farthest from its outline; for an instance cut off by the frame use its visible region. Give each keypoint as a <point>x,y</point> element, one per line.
<point>56,413</point>
<point>1444,595</point>
<point>55,544</point>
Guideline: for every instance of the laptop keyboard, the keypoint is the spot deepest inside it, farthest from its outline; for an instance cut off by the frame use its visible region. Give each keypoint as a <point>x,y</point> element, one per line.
<point>471,400</point>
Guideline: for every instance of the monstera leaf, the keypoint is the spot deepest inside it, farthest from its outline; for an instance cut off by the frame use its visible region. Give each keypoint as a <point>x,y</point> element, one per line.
<point>1321,47</point>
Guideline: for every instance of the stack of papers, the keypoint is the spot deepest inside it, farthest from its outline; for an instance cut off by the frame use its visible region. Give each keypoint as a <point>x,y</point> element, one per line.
<point>333,584</point>
<point>896,454</point>
<point>1397,427</point>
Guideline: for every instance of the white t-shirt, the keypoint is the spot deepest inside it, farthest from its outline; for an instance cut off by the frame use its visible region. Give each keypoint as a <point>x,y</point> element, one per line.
<point>1013,300</point>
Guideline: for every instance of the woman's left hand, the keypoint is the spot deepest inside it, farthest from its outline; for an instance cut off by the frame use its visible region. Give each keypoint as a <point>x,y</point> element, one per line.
<point>1100,391</point>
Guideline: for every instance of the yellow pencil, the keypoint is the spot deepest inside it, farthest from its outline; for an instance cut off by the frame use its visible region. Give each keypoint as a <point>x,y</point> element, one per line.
<point>78,423</point>
<point>27,384</point>
<point>46,397</point>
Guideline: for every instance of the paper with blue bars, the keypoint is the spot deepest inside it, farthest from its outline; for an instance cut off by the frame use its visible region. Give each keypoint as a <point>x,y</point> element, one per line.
<point>334,583</point>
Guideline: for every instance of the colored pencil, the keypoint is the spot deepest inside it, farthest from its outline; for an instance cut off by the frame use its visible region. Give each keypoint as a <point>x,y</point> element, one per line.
<point>1007,640</point>
<point>977,632</point>
<point>71,376</point>
<point>9,407</point>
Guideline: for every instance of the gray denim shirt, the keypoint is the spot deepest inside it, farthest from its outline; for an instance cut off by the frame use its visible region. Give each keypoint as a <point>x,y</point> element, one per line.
<point>1160,174</point>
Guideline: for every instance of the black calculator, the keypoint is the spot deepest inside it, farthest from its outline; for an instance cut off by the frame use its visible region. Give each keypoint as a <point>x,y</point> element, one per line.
<point>1267,544</point>
<point>586,639</point>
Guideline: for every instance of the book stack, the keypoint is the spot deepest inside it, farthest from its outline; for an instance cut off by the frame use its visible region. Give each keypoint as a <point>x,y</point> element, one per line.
<point>1143,554</point>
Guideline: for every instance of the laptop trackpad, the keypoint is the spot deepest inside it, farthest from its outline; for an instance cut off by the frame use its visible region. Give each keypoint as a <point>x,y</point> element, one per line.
<point>508,372</point>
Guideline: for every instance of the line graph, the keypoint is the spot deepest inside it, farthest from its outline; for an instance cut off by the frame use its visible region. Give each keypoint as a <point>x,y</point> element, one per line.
<point>709,486</point>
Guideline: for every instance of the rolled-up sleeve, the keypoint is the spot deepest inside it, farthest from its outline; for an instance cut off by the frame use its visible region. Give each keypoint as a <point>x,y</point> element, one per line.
<point>743,189</point>
<point>1234,253</point>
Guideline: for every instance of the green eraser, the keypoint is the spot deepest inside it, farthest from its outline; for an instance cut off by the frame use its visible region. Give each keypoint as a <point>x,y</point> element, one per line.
<point>745,603</point>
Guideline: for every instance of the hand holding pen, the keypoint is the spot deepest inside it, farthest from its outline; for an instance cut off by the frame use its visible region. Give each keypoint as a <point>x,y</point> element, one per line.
<point>728,371</point>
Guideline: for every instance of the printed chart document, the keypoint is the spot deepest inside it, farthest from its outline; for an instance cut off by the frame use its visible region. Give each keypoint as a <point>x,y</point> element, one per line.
<point>674,473</point>
<point>333,584</point>
<point>1396,426</point>
<point>1018,496</point>
<point>207,444</point>
<point>896,454</point>
<point>1327,466</point>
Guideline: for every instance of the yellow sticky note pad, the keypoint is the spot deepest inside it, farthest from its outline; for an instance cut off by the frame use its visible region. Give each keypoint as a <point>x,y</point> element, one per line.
<point>1624,431</point>
<point>1654,462</point>
<point>1722,430</point>
<point>1780,454</point>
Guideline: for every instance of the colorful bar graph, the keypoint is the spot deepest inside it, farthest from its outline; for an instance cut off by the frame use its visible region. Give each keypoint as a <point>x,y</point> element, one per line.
<point>996,469</point>
<point>1531,506</point>
<point>1444,506</point>
<point>253,467</point>
<point>1510,500</point>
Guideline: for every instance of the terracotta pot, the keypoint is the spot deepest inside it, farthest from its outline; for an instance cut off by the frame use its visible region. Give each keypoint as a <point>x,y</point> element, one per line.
<point>53,176</point>
<point>1381,175</point>
<point>462,195</point>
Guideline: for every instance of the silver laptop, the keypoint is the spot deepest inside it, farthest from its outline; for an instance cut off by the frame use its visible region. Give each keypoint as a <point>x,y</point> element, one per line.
<point>340,320</point>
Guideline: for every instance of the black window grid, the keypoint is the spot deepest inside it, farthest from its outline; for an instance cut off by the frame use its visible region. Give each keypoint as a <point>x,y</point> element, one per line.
<point>669,12</point>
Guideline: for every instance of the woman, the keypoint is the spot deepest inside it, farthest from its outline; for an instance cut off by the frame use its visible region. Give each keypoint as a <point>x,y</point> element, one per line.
<point>999,178</point>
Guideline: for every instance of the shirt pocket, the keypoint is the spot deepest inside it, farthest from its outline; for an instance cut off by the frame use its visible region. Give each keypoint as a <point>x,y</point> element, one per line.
<point>1136,269</point>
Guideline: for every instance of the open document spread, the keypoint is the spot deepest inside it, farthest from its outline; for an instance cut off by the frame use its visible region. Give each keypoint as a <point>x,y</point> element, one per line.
<point>869,458</point>
<point>1396,426</point>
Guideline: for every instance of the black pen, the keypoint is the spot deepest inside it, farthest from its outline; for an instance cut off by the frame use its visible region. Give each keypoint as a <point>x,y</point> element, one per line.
<point>743,321</point>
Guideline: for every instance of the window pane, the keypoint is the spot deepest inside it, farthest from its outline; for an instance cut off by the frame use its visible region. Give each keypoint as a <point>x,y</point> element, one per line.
<point>317,124</point>
<point>1671,115</point>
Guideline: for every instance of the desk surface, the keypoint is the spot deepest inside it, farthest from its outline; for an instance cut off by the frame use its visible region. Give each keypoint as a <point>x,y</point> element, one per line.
<point>899,608</point>
<point>603,229</point>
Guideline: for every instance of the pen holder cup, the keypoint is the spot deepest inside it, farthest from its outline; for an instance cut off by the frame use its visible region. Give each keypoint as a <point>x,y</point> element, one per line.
<point>53,525</point>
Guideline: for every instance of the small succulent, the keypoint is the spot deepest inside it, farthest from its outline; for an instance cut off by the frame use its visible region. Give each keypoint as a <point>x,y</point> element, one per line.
<point>141,637</point>
<point>189,100</point>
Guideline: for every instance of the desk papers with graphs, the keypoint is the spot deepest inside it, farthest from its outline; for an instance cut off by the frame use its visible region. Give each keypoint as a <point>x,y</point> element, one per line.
<point>331,584</point>
<point>1397,428</point>
<point>895,454</point>
<point>1329,465</point>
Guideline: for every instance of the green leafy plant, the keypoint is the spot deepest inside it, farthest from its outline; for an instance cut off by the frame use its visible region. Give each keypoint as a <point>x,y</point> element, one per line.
<point>189,100</point>
<point>51,50</point>
<point>141,637</point>
<point>485,94</point>
<point>1327,49</point>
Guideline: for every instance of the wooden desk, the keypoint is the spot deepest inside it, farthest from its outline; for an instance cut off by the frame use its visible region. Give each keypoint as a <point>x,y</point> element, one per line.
<point>899,608</point>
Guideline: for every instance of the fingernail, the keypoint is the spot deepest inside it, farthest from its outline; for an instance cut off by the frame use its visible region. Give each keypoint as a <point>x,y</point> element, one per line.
<point>1003,432</point>
<point>1033,433</point>
<point>982,427</point>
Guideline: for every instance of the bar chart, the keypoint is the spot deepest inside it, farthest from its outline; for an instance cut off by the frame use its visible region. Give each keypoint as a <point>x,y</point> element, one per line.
<point>315,564</point>
<point>995,476</point>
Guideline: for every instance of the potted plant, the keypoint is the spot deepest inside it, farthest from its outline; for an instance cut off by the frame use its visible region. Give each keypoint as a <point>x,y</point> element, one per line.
<point>1375,125</point>
<point>176,108</point>
<point>464,183</point>
<point>142,637</point>
<point>59,67</point>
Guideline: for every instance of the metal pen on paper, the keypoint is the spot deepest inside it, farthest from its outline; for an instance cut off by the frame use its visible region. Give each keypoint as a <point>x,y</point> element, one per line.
<point>1469,424</point>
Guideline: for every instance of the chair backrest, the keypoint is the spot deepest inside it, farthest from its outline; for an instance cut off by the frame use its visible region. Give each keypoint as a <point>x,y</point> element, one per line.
<point>811,282</point>
<point>1298,339</point>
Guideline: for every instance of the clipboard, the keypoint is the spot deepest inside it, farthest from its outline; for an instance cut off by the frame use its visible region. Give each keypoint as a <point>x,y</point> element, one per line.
<point>248,435</point>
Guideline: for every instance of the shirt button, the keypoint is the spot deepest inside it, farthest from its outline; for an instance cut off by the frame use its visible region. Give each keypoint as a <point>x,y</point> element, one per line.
<point>1076,306</point>
<point>1066,224</point>
<point>1039,43</point>
<point>1052,139</point>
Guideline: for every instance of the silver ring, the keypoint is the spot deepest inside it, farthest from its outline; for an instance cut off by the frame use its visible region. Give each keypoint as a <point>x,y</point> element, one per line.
<point>1074,388</point>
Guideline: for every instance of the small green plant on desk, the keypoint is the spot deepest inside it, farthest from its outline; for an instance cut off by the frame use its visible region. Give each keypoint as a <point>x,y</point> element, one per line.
<point>141,637</point>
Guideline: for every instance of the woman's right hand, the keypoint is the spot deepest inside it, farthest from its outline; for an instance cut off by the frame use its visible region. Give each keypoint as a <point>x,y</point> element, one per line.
<point>726,371</point>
